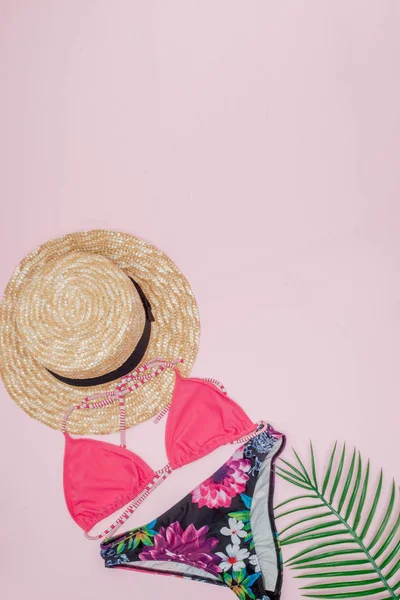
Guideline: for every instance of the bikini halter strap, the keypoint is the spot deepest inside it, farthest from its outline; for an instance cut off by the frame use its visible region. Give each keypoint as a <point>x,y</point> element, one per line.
<point>127,384</point>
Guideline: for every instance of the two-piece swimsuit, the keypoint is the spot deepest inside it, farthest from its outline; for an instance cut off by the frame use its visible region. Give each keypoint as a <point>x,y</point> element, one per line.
<point>223,531</point>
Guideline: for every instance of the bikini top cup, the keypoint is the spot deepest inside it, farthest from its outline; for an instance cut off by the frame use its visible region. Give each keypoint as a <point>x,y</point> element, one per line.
<point>100,478</point>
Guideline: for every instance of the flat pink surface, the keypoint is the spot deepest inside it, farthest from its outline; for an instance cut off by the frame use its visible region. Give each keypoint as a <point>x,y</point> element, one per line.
<point>258,144</point>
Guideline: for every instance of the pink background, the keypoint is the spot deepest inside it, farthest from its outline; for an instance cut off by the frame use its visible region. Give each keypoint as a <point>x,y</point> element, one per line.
<point>257,143</point>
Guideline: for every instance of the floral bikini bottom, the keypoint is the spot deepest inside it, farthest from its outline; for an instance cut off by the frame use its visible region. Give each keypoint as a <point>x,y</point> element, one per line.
<point>223,532</point>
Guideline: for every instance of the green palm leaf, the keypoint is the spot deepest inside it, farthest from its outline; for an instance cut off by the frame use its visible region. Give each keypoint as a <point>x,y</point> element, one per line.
<point>351,540</point>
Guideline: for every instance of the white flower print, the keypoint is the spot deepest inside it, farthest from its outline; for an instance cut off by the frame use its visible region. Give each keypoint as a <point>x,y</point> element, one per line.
<point>234,558</point>
<point>253,560</point>
<point>235,530</point>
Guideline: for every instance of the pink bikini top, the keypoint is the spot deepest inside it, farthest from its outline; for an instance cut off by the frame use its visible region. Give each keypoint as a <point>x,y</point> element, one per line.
<point>100,478</point>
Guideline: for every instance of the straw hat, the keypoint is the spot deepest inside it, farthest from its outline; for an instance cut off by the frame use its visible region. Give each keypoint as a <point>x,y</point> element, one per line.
<point>85,309</point>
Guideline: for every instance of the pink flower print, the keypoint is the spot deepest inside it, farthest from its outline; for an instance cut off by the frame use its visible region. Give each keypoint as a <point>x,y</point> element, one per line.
<point>189,546</point>
<point>219,489</point>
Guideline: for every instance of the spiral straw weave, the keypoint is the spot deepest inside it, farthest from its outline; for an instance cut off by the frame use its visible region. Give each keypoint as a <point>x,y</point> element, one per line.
<point>70,307</point>
<point>80,316</point>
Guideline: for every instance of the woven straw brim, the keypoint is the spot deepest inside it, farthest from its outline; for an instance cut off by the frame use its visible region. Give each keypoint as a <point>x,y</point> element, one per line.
<point>175,333</point>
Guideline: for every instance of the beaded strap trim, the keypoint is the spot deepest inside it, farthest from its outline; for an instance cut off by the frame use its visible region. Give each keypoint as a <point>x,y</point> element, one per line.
<point>136,379</point>
<point>261,426</point>
<point>162,414</point>
<point>216,383</point>
<point>165,410</point>
<point>160,476</point>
